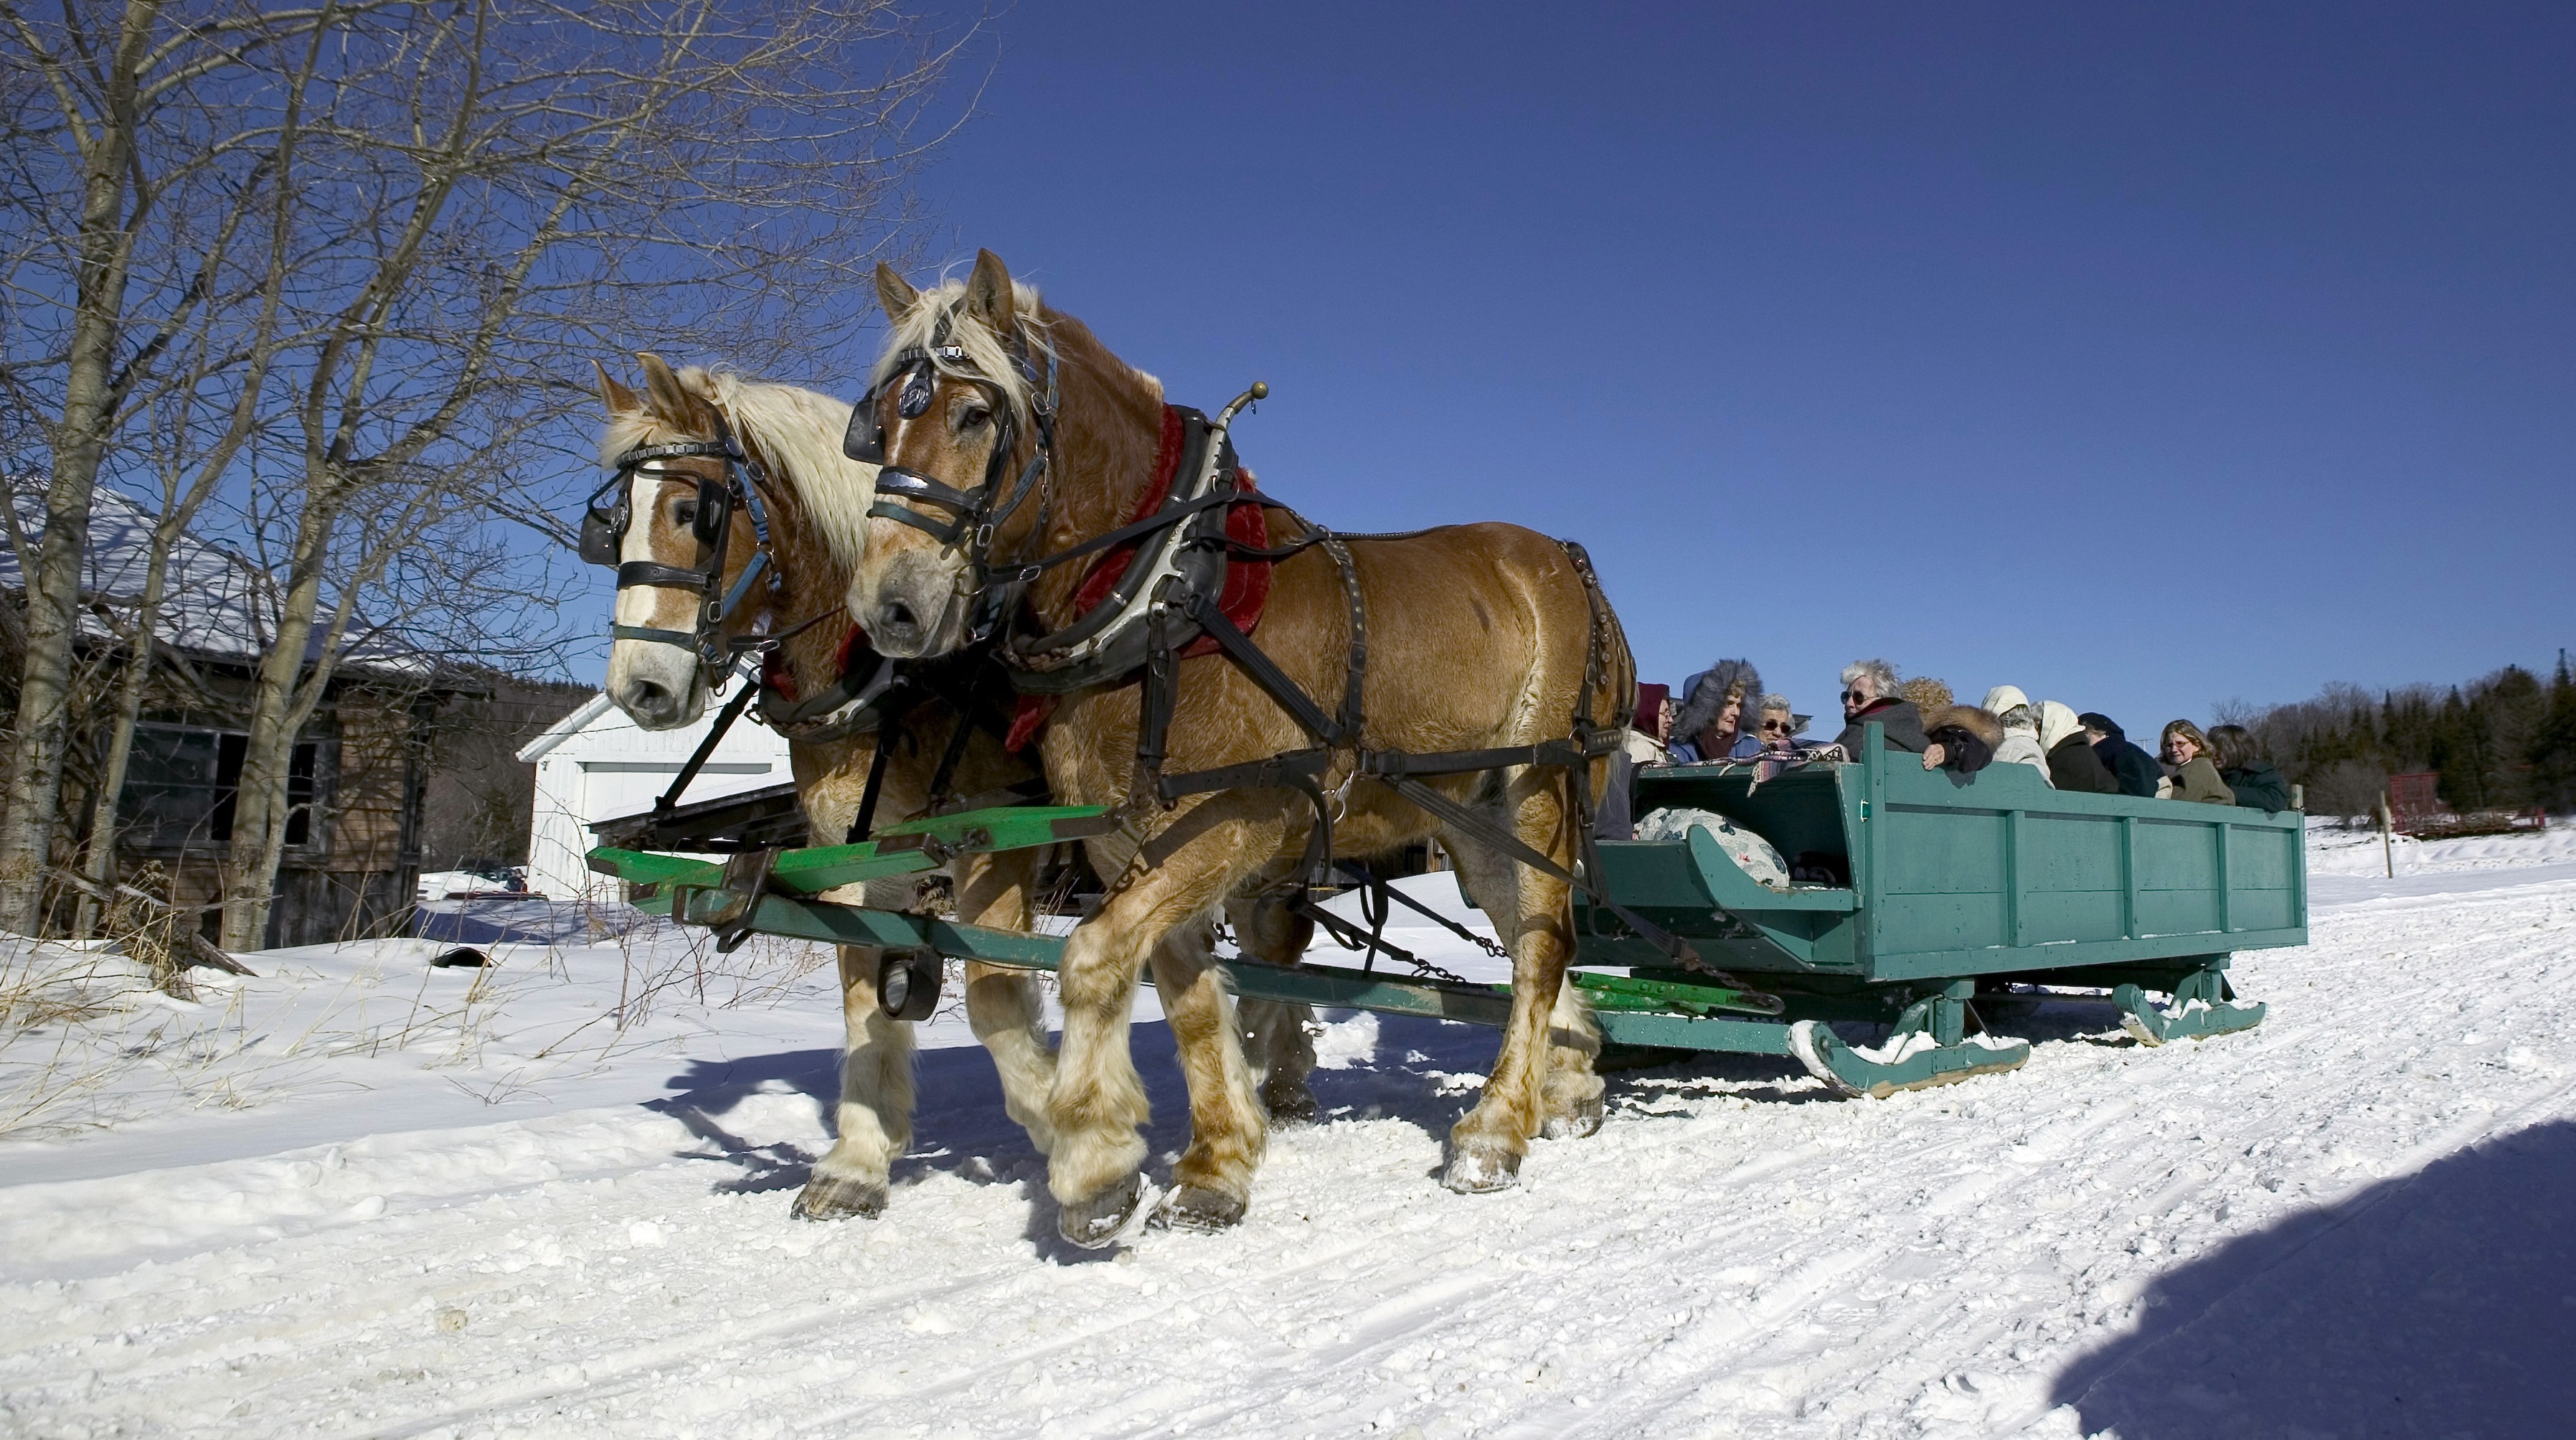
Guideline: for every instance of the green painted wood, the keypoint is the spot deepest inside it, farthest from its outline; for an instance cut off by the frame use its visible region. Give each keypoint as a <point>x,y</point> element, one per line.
<point>1844,1068</point>
<point>1677,1032</point>
<point>823,920</point>
<point>641,867</point>
<point>1350,989</point>
<point>1681,997</point>
<point>896,850</point>
<point>1965,875</point>
<point>2203,1005</point>
<point>1009,827</point>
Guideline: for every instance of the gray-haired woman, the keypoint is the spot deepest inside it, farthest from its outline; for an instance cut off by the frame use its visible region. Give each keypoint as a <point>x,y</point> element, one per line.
<point>1869,693</point>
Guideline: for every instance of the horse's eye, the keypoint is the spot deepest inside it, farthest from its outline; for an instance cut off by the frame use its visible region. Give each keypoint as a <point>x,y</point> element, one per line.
<point>973,417</point>
<point>684,512</point>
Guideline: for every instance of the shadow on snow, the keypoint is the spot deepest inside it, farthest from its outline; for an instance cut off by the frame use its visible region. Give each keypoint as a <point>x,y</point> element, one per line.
<point>2438,1303</point>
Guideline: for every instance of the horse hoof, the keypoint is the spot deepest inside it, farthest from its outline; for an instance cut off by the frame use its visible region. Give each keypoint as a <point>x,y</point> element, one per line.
<point>1097,1221</point>
<point>838,1197</point>
<point>1481,1170</point>
<point>1195,1208</point>
<point>1583,1118</point>
<point>1291,1105</point>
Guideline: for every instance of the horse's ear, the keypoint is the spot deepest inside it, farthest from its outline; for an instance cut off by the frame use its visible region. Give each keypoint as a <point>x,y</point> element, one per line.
<point>662,386</point>
<point>988,292</point>
<point>894,292</point>
<point>616,397</point>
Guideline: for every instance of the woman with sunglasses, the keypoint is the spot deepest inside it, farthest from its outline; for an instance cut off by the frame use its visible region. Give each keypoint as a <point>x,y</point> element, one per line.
<point>1869,693</point>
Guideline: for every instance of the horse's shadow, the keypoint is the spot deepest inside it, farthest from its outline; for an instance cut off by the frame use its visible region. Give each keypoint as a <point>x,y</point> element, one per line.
<point>1420,1072</point>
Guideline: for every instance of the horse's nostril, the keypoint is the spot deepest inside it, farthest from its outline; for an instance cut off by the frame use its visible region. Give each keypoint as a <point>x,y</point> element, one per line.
<point>646,696</point>
<point>898,615</point>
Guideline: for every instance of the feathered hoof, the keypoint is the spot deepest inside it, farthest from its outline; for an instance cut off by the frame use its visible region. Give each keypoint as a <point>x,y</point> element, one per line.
<point>1290,1105</point>
<point>1192,1207</point>
<point>1095,1222</point>
<point>839,1197</point>
<point>1482,1169</point>
<point>1579,1120</point>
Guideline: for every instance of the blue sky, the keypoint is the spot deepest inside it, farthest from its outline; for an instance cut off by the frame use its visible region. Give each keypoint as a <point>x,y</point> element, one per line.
<point>2142,358</point>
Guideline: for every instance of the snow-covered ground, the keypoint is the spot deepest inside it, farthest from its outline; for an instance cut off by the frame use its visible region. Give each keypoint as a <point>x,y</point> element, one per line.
<point>360,1195</point>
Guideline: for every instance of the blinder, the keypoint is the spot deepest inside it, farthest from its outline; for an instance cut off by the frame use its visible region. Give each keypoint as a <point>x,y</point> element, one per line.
<point>972,517</point>
<point>610,513</point>
<point>865,440</point>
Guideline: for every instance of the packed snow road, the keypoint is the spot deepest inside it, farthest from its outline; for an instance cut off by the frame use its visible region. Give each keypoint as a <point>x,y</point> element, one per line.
<point>2353,1220</point>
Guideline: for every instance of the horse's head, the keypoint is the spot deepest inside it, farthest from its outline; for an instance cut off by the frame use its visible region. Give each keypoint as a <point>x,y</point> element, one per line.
<point>955,413</point>
<point>677,519</point>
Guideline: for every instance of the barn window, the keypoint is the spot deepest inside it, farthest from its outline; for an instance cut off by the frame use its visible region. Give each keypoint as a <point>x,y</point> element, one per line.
<point>182,784</point>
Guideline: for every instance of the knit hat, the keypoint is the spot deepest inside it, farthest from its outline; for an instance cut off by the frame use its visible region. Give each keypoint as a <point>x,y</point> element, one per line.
<point>2096,720</point>
<point>1705,694</point>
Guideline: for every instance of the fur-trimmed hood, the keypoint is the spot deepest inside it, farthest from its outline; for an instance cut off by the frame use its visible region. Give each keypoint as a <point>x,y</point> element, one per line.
<point>1703,695</point>
<point>1975,720</point>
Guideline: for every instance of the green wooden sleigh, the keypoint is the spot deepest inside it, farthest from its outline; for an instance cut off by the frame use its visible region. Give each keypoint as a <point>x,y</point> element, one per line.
<point>1960,885</point>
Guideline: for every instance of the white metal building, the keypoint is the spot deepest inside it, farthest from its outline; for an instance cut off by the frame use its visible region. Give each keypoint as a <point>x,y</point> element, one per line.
<point>596,765</point>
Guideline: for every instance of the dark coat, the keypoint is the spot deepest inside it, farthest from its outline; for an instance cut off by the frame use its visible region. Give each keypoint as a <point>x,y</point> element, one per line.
<point>1904,727</point>
<point>2135,769</point>
<point>1967,736</point>
<point>2257,783</point>
<point>2074,766</point>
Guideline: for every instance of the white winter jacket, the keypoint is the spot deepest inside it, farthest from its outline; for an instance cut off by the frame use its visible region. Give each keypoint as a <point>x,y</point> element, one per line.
<point>2021,746</point>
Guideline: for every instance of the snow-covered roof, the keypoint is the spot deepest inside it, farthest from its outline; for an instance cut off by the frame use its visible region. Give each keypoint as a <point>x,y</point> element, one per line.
<point>600,735</point>
<point>564,729</point>
<point>214,602</point>
<point>210,600</point>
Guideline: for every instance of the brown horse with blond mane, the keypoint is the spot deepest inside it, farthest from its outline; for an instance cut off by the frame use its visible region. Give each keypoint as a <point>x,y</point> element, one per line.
<point>1485,636</point>
<point>788,444</point>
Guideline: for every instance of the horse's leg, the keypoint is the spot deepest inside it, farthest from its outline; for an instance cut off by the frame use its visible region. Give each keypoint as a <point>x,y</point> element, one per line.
<point>1532,913</point>
<point>1098,1102</point>
<point>874,1117</point>
<point>1213,1181</point>
<point>1573,1087</point>
<point>1280,1048</point>
<point>1004,1006</point>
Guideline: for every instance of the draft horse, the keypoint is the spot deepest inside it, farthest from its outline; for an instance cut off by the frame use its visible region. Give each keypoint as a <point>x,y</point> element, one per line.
<point>1022,460</point>
<point>736,524</point>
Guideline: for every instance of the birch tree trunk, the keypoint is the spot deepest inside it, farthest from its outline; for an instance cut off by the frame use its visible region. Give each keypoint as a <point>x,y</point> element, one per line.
<point>103,248</point>
<point>165,118</point>
<point>510,184</point>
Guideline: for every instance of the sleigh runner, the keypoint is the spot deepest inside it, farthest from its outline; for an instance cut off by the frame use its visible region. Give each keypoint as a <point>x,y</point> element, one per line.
<point>1955,881</point>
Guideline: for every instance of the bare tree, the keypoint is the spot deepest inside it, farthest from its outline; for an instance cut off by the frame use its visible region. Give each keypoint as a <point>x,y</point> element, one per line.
<point>509,187</point>
<point>135,166</point>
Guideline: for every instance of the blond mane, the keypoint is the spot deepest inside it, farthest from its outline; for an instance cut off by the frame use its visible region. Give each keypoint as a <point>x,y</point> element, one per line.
<point>797,430</point>
<point>988,354</point>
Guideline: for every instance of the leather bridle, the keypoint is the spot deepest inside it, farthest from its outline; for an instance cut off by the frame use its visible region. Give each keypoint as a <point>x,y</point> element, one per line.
<point>603,540</point>
<point>961,520</point>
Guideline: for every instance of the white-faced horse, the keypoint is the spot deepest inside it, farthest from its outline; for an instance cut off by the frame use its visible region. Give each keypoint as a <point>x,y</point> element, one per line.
<point>696,456</point>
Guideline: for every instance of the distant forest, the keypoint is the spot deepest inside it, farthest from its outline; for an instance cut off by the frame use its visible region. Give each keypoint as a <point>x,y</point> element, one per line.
<point>2502,741</point>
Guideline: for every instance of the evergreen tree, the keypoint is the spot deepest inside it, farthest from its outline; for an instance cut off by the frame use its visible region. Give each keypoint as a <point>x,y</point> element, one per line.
<point>2552,750</point>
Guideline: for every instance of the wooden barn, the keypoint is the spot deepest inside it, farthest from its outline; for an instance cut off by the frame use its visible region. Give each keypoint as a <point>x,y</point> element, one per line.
<point>390,731</point>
